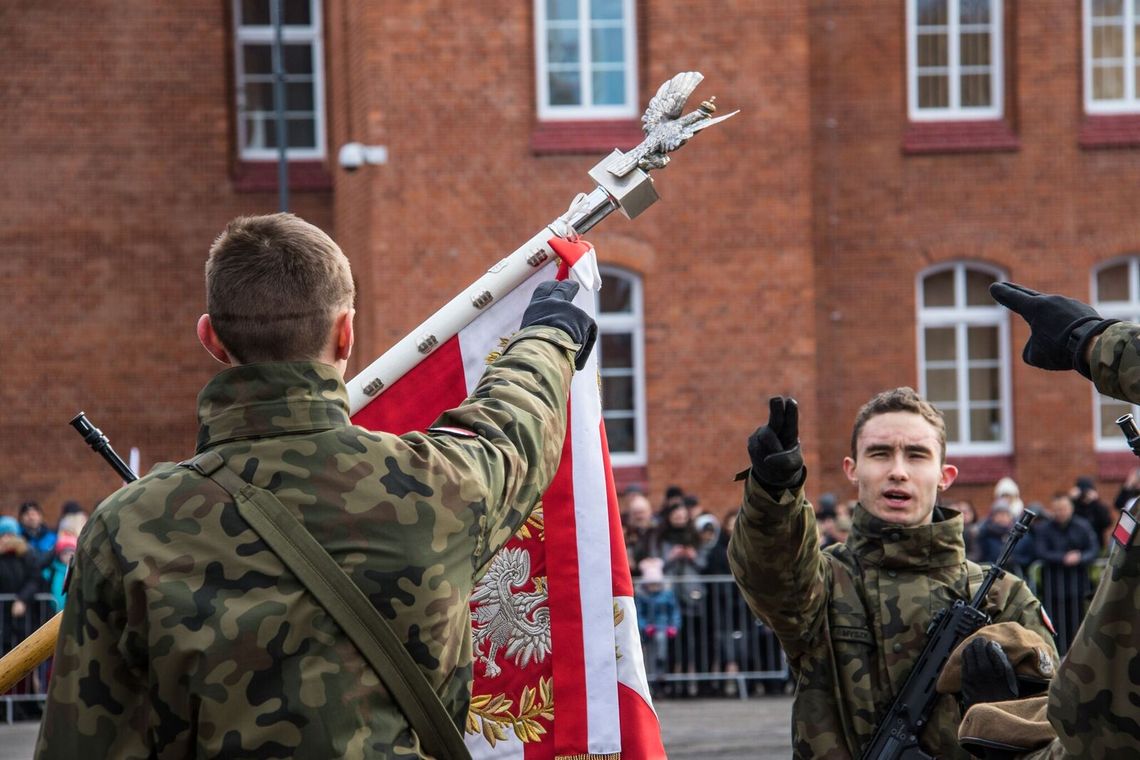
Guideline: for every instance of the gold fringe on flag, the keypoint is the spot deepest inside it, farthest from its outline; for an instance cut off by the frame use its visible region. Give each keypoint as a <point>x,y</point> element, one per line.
<point>589,756</point>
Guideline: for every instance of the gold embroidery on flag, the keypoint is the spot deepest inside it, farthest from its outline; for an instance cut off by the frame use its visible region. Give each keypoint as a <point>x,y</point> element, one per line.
<point>492,715</point>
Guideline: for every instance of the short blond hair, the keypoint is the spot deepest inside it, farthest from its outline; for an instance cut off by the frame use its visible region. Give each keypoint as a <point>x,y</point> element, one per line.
<point>274,287</point>
<point>902,399</point>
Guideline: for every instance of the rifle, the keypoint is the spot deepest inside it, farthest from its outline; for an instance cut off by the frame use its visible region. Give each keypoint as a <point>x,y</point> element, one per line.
<point>896,737</point>
<point>25,656</point>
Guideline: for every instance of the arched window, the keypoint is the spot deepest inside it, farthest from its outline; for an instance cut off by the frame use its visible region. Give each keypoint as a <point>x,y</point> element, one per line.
<point>1116,294</point>
<point>622,360</point>
<point>963,357</point>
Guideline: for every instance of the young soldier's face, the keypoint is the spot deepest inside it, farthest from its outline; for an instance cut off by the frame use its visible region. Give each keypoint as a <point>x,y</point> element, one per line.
<point>899,468</point>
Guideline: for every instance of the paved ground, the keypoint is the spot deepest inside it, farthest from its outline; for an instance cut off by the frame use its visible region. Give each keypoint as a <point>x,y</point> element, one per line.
<point>727,729</point>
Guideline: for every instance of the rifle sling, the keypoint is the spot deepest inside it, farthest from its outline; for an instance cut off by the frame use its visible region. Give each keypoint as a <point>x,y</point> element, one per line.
<point>345,603</point>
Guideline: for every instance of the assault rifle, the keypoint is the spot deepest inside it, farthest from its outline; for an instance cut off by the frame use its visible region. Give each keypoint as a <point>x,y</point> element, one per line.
<point>896,737</point>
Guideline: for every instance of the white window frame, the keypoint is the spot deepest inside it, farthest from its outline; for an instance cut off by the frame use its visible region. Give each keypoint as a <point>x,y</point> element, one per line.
<point>961,317</point>
<point>1124,310</point>
<point>955,111</point>
<point>632,323</point>
<point>587,110</point>
<point>312,35</point>
<point>1130,103</point>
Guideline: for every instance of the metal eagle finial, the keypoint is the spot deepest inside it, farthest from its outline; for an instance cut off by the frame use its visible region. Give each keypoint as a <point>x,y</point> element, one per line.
<point>665,128</point>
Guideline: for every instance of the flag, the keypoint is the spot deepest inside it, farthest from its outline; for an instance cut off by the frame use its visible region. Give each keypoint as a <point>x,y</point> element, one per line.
<point>569,681</point>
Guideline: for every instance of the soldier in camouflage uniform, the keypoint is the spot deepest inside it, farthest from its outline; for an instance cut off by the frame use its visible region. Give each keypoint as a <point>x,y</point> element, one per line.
<point>852,618</point>
<point>183,634</point>
<point>1093,706</point>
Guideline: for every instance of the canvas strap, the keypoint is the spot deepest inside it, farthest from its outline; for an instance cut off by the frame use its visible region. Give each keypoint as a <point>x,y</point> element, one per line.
<point>345,603</point>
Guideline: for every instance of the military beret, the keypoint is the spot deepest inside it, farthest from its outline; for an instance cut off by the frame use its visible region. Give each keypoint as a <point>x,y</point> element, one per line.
<point>1019,725</point>
<point>1030,656</point>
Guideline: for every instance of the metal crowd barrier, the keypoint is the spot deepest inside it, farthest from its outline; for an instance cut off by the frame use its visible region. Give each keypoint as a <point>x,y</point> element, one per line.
<point>26,699</point>
<point>1065,593</point>
<point>718,644</point>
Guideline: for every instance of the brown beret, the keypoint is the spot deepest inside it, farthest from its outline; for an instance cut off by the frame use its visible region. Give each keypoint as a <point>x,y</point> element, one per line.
<point>1018,725</point>
<point>1031,657</point>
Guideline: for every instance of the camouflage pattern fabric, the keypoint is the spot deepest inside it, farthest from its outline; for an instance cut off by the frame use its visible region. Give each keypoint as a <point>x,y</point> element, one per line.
<point>183,635</point>
<point>1115,362</point>
<point>852,618</point>
<point>1094,701</point>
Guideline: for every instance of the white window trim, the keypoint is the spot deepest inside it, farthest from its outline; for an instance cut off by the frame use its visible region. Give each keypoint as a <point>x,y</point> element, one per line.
<point>312,34</point>
<point>1129,311</point>
<point>1126,104</point>
<point>955,112</point>
<point>584,112</point>
<point>962,317</point>
<point>633,323</point>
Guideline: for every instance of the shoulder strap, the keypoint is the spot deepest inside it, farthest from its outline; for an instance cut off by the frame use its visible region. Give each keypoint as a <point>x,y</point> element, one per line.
<point>345,602</point>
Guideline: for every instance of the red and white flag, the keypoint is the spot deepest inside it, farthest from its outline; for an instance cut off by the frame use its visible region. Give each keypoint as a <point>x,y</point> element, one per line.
<point>558,664</point>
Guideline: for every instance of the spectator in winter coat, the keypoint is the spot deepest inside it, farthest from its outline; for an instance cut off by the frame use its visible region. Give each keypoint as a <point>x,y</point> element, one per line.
<point>40,538</point>
<point>19,576</point>
<point>56,571</point>
<point>1067,546</point>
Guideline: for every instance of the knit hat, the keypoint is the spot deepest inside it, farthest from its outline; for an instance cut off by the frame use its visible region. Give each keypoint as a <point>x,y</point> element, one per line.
<point>65,542</point>
<point>1030,656</point>
<point>9,524</point>
<point>652,569</point>
<point>1019,725</point>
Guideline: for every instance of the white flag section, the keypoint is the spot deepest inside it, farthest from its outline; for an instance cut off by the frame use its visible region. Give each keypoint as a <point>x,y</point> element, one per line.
<point>558,663</point>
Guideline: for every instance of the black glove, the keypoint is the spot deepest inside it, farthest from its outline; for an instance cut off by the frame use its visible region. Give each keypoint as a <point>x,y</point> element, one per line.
<point>775,448</point>
<point>550,305</point>
<point>1061,327</point>
<point>987,675</point>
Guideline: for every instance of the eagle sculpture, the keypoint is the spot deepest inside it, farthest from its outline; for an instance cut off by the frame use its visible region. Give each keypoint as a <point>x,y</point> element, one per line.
<point>665,128</point>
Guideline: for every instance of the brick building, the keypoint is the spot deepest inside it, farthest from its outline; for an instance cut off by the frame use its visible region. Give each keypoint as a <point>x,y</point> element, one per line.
<point>834,239</point>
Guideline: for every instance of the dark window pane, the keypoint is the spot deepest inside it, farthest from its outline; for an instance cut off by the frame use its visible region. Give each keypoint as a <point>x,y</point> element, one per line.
<point>932,12</point>
<point>938,289</point>
<point>1107,8</point>
<point>978,288</point>
<point>953,427</point>
<point>609,88</point>
<point>298,59</point>
<point>617,392</point>
<point>984,384</point>
<point>934,91</point>
<point>257,59</point>
<point>562,10</point>
<point>985,425</point>
<point>299,96</point>
<point>940,344</point>
<point>607,45</point>
<point>616,295</point>
<point>1108,83</point>
<point>974,49</point>
<point>605,9</point>
<point>932,50</point>
<point>255,13</point>
<point>941,385</point>
<point>617,350</point>
<point>974,11</point>
<point>976,91</point>
<point>302,133</point>
<point>1112,283</point>
<point>259,96</point>
<point>619,433</point>
<point>298,12</point>
<point>982,343</point>
<point>565,88</point>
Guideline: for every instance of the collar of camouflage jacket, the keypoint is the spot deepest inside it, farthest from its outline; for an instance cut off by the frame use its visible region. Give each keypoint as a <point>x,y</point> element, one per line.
<point>939,544</point>
<point>272,398</point>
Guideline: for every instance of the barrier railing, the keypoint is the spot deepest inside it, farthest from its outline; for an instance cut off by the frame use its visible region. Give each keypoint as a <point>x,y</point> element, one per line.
<point>25,700</point>
<point>716,640</point>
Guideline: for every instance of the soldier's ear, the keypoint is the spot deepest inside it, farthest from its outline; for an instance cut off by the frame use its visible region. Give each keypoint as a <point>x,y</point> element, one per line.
<point>849,469</point>
<point>210,340</point>
<point>949,473</point>
<point>344,334</point>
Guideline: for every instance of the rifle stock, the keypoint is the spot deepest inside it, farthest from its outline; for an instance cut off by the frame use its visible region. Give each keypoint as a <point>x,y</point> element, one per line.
<point>896,737</point>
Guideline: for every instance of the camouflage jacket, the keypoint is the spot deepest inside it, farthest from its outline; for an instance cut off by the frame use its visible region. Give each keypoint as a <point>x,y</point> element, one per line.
<point>183,636</point>
<point>1115,362</point>
<point>853,617</point>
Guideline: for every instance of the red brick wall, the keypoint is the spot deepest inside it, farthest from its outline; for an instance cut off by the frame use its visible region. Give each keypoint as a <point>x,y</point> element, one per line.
<point>1046,214</point>
<point>118,155</point>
